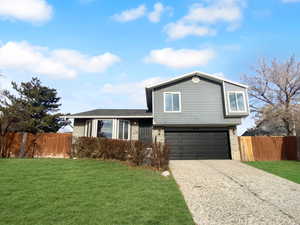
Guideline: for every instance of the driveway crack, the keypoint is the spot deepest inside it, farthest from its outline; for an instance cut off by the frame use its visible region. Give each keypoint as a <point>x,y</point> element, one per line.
<point>252,192</point>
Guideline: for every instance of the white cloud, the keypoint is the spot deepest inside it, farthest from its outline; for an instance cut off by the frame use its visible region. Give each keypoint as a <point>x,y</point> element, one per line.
<point>134,91</point>
<point>220,11</point>
<point>290,1</point>
<point>141,11</point>
<point>60,63</point>
<point>90,64</point>
<point>180,30</point>
<point>35,11</point>
<point>155,15</point>
<point>181,58</point>
<point>131,14</point>
<point>201,18</point>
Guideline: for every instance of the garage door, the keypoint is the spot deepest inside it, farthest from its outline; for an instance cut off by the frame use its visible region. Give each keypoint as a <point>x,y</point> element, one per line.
<point>198,144</point>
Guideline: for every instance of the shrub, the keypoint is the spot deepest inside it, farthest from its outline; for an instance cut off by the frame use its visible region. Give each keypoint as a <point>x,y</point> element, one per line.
<point>114,149</point>
<point>85,147</point>
<point>135,152</point>
<point>160,156</point>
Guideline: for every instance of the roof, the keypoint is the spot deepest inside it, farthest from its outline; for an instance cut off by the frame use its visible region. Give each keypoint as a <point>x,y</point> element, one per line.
<point>113,113</point>
<point>201,74</point>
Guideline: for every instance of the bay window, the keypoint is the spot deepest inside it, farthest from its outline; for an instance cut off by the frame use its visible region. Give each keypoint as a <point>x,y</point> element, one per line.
<point>108,128</point>
<point>105,128</point>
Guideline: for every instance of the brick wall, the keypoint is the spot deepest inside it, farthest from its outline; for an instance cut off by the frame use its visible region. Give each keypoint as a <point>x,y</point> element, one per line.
<point>158,134</point>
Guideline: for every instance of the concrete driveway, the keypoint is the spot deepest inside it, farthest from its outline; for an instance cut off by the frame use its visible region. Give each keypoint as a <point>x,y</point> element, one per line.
<point>230,192</point>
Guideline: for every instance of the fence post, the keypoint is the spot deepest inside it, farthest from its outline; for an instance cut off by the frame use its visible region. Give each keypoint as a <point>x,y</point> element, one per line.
<point>298,146</point>
<point>246,148</point>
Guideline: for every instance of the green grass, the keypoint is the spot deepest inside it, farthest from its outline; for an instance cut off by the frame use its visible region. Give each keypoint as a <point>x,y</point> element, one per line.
<point>83,192</point>
<point>287,169</point>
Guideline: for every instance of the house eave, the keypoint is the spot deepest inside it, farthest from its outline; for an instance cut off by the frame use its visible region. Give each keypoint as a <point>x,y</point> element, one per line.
<point>226,125</point>
<point>206,75</point>
<point>106,117</point>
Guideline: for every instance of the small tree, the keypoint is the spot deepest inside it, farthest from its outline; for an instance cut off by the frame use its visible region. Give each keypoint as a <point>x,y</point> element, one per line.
<point>274,91</point>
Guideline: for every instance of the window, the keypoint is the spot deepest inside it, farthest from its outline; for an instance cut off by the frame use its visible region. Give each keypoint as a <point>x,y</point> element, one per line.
<point>89,128</point>
<point>123,129</point>
<point>172,102</point>
<point>105,128</point>
<point>236,102</point>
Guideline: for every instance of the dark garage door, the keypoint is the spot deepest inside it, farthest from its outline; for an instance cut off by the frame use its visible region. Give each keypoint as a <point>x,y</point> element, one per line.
<point>198,144</point>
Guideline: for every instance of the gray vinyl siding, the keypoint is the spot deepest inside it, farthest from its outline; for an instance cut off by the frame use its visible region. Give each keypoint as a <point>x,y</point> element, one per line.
<point>201,104</point>
<point>231,87</point>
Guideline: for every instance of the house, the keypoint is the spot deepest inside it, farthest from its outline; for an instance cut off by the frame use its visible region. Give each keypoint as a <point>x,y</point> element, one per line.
<point>196,114</point>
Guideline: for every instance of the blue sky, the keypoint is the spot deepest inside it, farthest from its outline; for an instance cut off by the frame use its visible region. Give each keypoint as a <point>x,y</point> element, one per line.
<point>100,54</point>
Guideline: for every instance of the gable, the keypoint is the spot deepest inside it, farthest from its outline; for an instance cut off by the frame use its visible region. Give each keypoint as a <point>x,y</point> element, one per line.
<point>201,103</point>
<point>182,78</point>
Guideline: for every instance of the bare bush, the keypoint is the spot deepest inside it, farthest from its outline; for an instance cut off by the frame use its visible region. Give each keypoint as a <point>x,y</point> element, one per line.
<point>135,152</point>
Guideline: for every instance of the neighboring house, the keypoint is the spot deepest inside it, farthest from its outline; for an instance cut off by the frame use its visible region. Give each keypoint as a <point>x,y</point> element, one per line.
<point>196,114</point>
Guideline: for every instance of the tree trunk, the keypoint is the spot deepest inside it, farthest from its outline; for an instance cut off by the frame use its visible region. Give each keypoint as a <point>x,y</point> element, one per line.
<point>23,145</point>
<point>2,147</point>
<point>290,129</point>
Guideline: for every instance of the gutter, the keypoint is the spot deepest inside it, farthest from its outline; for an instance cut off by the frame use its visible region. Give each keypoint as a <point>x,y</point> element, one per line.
<point>104,117</point>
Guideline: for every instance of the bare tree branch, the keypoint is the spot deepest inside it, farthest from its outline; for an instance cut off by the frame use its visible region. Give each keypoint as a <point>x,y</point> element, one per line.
<point>274,90</point>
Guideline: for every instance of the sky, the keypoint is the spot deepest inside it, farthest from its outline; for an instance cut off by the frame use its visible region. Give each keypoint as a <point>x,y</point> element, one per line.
<point>101,54</point>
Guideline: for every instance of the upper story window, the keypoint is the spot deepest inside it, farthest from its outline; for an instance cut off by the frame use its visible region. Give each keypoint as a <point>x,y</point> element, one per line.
<point>172,102</point>
<point>237,101</point>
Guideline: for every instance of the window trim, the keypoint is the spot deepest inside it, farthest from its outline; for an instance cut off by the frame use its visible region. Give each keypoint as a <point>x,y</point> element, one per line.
<point>172,92</point>
<point>244,99</point>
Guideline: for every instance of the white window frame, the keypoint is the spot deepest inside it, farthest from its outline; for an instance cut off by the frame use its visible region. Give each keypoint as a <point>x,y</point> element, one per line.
<point>115,128</point>
<point>172,92</point>
<point>129,129</point>
<point>244,99</point>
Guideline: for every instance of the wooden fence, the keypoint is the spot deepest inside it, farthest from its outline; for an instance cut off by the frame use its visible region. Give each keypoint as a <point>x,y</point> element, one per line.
<point>52,145</point>
<point>43,145</point>
<point>265,148</point>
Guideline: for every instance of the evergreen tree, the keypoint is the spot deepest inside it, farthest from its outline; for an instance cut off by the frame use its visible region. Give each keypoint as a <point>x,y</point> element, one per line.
<point>35,108</point>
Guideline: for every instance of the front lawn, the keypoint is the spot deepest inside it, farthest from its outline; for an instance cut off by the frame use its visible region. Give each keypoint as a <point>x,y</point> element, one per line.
<point>83,192</point>
<point>287,169</point>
